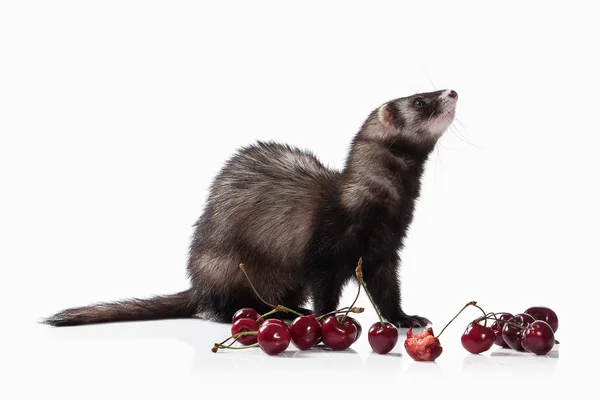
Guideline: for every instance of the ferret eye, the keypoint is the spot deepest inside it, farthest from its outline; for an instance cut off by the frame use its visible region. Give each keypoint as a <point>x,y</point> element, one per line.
<point>419,103</point>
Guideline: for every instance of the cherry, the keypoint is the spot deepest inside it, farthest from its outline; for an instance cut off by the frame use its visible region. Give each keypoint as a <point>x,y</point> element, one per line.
<point>477,338</point>
<point>422,346</point>
<point>245,325</point>
<point>273,337</point>
<point>305,332</point>
<point>275,321</point>
<point>538,338</point>
<point>383,337</point>
<point>544,314</point>
<point>356,324</point>
<point>245,313</point>
<point>358,328</point>
<point>512,334</point>
<point>497,328</point>
<point>338,333</point>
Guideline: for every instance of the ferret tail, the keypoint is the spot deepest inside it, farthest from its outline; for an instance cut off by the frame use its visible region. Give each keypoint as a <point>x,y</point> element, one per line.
<point>179,305</point>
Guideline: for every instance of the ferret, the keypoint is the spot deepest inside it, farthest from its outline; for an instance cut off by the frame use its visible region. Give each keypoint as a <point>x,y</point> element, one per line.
<point>299,227</point>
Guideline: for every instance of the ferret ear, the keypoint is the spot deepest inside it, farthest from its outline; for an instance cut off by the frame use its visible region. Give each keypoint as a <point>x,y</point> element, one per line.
<point>386,117</point>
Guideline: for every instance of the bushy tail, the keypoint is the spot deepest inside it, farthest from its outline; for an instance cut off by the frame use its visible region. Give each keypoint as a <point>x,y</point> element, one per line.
<point>179,305</point>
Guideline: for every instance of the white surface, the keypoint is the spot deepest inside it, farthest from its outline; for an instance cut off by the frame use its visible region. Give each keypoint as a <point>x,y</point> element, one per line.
<point>115,116</point>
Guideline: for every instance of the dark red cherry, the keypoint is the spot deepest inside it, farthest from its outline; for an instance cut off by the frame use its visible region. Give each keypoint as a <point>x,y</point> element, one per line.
<point>383,338</point>
<point>358,328</point>
<point>512,334</point>
<point>538,338</point>
<point>477,338</point>
<point>356,324</point>
<point>305,332</point>
<point>497,328</point>
<point>275,321</point>
<point>338,335</point>
<point>544,314</point>
<point>245,325</point>
<point>273,337</point>
<point>245,313</point>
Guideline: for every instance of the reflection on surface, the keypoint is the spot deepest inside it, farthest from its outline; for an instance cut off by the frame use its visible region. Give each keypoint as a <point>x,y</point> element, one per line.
<point>509,363</point>
<point>201,335</point>
<point>418,370</point>
<point>206,366</point>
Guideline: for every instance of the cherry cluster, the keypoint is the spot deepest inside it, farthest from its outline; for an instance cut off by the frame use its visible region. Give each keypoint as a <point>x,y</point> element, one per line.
<point>336,330</point>
<point>531,331</point>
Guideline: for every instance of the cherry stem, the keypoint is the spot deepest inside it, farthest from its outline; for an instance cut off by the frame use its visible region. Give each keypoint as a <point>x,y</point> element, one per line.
<point>279,307</point>
<point>357,292</point>
<point>273,311</point>
<point>285,309</point>
<point>471,303</point>
<point>254,289</point>
<point>217,346</point>
<point>356,310</point>
<point>484,314</point>
<point>361,281</point>
<point>499,322</point>
<point>235,337</point>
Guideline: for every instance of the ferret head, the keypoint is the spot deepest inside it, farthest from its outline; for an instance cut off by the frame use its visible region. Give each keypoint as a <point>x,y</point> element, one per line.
<point>420,118</point>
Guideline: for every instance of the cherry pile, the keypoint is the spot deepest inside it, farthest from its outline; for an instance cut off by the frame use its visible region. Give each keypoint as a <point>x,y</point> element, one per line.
<point>530,331</point>
<point>336,330</point>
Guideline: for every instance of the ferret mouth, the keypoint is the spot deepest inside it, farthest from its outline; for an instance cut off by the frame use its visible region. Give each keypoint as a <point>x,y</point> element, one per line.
<point>443,120</point>
<point>449,113</point>
<point>448,110</point>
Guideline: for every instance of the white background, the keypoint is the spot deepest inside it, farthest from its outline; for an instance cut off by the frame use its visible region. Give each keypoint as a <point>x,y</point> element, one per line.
<point>116,115</point>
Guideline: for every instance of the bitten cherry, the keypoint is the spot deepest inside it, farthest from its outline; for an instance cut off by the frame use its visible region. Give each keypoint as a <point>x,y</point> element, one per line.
<point>305,332</point>
<point>538,338</point>
<point>245,325</point>
<point>477,338</point>
<point>422,346</point>
<point>273,336</point>
<point>512,334</point>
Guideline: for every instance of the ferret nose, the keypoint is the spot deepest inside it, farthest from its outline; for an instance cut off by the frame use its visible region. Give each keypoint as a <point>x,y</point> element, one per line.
<point>453,94</point>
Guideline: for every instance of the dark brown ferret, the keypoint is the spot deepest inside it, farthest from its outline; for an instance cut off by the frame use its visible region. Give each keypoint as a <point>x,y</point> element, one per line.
<point>300,227</point>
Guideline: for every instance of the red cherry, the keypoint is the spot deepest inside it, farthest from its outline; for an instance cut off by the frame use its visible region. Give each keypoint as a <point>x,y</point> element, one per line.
<point>275,321</point>
<point>497,328</point>
<point>358,328</point>
<point>356,324</point>
<point>305,332</point>
<point>422,346</point>
<point>538,338</point>
<point>338,335</point>
<point>477,338</point>
<point>245,313</point>
<point>383,338</point>
<point>544,314</point>
<point>273,337</point>
<point>512,334</point>
<point>245,325</point>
